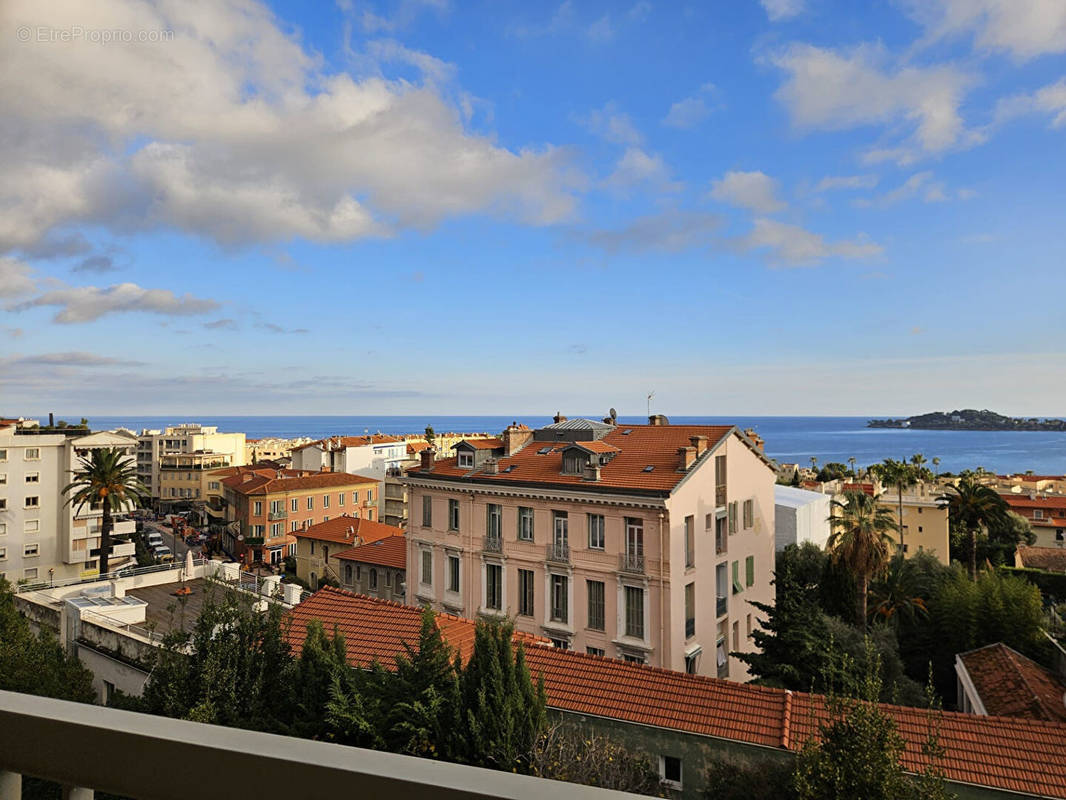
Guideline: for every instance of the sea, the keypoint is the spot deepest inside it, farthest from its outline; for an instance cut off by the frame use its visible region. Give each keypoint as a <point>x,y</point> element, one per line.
<point>788,439</point>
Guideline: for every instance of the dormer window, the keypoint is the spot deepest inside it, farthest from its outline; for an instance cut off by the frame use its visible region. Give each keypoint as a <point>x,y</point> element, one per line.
<point>466,459</point>
<point>573,463</point>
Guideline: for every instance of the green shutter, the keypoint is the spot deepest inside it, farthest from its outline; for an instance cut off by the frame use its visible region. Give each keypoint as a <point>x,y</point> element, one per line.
<point>749,568</point>
<point>737,587</point>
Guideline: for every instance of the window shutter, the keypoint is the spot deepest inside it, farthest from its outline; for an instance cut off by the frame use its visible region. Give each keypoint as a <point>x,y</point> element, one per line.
<point>749,569</point>
<point>737,587</point>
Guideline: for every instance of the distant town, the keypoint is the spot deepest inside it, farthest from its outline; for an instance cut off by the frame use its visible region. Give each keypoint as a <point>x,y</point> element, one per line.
<point>970,420</point>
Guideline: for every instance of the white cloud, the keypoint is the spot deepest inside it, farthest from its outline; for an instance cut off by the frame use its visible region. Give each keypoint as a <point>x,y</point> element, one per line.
<point>16,278</point>
<point>778,10</point>
<point>431,67</point>
<point>836,90</point>
<point>1050,100</point>
<point>669,232</point>
<point>88,303</point>
<point>687,113</point>
<point>612,125</point>
<point>921,184</point>
<point>404,13</point>
<point>234,131</point>
<point>791,245</point>
<point>754,190</point>
<point>637,167</point>
<point>602,30</point>
<point>70,359</point>
<point>834,182</point>
<point>1024,28</point>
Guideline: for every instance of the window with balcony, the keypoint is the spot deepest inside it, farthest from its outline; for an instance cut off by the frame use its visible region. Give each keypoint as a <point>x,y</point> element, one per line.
<point>690,610</point>
<point>33,501</point>
<point>560,591</point>
<point>494,586</point>
<point>560,529</point>
<point>634,602</point>
<point>453,514</point>
<point>596,532</point>
<point>453,574</point>
<point>597,609</point>
<point>427,567</point>
<point>525,593</point>
<point>721,587</point>
<point>427,511</point>
<point>525,524</point>
<point>493,520</point>
<point>690,541</point>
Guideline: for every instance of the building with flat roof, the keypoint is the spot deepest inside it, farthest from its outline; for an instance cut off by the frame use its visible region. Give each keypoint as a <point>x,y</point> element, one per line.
<point>1046,514</point>
<point>190,437</point>
<point>800,516</point>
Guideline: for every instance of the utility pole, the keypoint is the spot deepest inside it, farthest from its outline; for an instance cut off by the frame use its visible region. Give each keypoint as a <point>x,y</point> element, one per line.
<point>651,394</point>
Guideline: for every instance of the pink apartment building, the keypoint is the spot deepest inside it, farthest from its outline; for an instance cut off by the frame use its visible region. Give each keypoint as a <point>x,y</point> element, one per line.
<point>640,542</point>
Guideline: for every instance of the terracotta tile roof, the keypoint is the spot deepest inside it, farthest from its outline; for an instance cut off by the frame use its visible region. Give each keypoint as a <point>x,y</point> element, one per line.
<point>292,481</point>
<point>1033,477</point>
<point>481,444</point>
<point>417,447</point>
<point>1011,685</point>
<point>645,445</point>
<point>1018,755</point>
<point>348,530</point>
<point>389,551</point>
<point>1019,501</point>
<point>597,446</point>
<point>1053,559</point>
<point>337,442</point>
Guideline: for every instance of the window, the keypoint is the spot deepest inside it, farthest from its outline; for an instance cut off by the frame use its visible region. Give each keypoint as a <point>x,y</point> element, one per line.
<point>258,531</point>
<point>493,586</point>
<point>388,579</point>
<point>632,659</point>
<point>690,541</point>
<point>749,571</point>
<point>525,524</point>
<point>373,578</point>
<point>3,455</point>
<point>560,598</point>
<point>736,635</point>
<point>348,573</point>
<point>257,508</point>
<point>596,651</point>
<point>3,553</point>
<point>634,611</point>
<point>453,573</point>
<point>596,537</point>
<point>30,573</point>
<point>427,511</point>
<point>670,771</point>
<point>737,587</point>
<point>427,567</point>
<point>1038,513</point>
<point>33,501</point>
<point>525,592</point>
<point>466,459</point>
<point>312,547</point>
<point>355,498</point>
<point>3,479</point>
<point>325,501</point>
<point>275,529</point>
<point>30,550</point>
<point>690,610</point>
<point>32,525</point>
<point>493,520</point>
<point>596,605</point>
<point>560,527</point>
<point>453,515</point>
<point>733,517</point>
<point>32,454</point>
<point>3,528</point>
<point>919,529</point>
<point>294,526</point>
<point>749,514</point>
<point>33,477</point>
<point>562,644</point>
<point>370,495</point>
<point>573,463</point>
<point>340,498</point>
<point>634,536</point>
<point>310,504</point>
<point>3,504</point>
<point>275,506</point>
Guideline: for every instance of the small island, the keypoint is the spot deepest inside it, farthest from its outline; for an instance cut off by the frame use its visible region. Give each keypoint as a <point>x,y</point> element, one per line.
<point>970,420</point>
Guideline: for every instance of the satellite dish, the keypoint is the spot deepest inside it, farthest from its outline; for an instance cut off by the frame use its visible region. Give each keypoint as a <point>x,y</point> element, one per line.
<point>612,414</point>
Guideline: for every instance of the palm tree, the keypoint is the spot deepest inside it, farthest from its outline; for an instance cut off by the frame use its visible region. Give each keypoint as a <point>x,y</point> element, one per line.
<point>919,461</point>
<point>107,479</point>
<point>970,506</point>
<point>860,541</point>
<point>899,593</point>
<point>901,475</point>
<point>936,466</point>
<point>814,464</point>
<point>854,474</point>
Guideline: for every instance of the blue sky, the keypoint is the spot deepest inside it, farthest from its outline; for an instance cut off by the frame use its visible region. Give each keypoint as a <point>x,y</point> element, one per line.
<point>424,206</point>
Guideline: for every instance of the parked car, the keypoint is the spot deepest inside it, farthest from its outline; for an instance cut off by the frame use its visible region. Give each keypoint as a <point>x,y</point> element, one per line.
<point>163,553</point>
<point>154,539</point>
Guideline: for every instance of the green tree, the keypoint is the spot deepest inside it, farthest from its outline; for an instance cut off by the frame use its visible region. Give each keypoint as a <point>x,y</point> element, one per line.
<point>901,475</point>
<point>832,471</point>
<point>36,663</point>
<point>431,435</point>
<point>322,659</point>
<point>972,506</point>
<point>900,592</point>
<point>860,541</point>
<point>106,479</point>
<point>564,752</point>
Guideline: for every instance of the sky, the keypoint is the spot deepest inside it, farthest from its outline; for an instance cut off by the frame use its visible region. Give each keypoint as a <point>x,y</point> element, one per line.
<point>794,207</point>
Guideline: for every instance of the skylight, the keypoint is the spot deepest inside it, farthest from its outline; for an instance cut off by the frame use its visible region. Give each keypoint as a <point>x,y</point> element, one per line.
<point>649,468</point>
<point>544,451</point>
<point>627,431</point>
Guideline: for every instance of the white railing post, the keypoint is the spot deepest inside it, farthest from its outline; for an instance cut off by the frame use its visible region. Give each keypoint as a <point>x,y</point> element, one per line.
<point>10,786</point>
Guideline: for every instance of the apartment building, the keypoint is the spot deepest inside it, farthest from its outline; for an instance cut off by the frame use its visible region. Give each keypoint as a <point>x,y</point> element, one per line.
<point>188,438</point>
<point>639,542</point>
<point>1046,514</point>
<point>264,507</point>
<point>319,548</point>
<point>272,448</point>
<point>42,537</point>
<point>925,521</point>
<point>372,455</point>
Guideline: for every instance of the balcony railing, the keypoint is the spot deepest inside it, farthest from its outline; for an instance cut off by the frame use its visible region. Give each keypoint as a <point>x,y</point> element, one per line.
<point>723,606</point>
<point>631,562</point>
<point>275,515</point>
<point>719,495</point>
<point>559,552</point>
<point>493,544</point>
<point>88,747</point>
<point>721,541</point>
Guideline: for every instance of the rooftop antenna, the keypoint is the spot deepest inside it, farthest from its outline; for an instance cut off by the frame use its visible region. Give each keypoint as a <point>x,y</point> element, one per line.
<point>651,394</point>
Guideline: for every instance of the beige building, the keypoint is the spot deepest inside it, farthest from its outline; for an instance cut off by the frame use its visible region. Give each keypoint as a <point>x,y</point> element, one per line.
<point>187,476</point>
<point>272,449</point>
<point>925,523</point>
<point>319,546</point>
<point>186,439</point>
<point>641,542</point>
<point>42,537</point>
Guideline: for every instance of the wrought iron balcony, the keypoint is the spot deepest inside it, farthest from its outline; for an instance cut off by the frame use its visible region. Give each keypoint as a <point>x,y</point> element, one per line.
<point>631,562</point>
<point>493,544</point>
<point>719,496</point>
<point>559,552</point>
<point>275,515</point>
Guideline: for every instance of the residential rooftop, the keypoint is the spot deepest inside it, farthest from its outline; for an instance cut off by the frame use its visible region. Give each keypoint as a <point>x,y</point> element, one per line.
<point>287,480</point>
<point>1012,685</point>
<point>1052,559</point>
<point>348,530</point>
<point>390,551</point>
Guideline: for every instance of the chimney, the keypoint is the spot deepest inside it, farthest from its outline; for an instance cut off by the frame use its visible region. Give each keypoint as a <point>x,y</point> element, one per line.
<point>558,418</point>
<point>756,439</point>
<point>700,443</point>
<point>658,420</point>
<point>492,467</point>
<point>686,457</point>
<point>247,476</point>
<point>592,470</point>
<point>427,458</point>
<point>349,532</point>
<point>515,437</point>
<point>51,420</point>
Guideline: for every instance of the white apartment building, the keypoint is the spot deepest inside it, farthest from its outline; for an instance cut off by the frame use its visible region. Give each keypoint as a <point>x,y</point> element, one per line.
<point>372,456</point>
<point>800,516</point>
<point>152,445</point>
<point>42,537</point>
<point>638,542</point>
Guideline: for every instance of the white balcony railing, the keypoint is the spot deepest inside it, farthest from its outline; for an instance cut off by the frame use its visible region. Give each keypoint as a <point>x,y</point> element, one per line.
<point>86,747</point>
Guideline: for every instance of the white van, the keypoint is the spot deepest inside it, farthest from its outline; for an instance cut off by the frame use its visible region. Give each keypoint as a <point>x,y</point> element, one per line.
<point>154,539</point>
